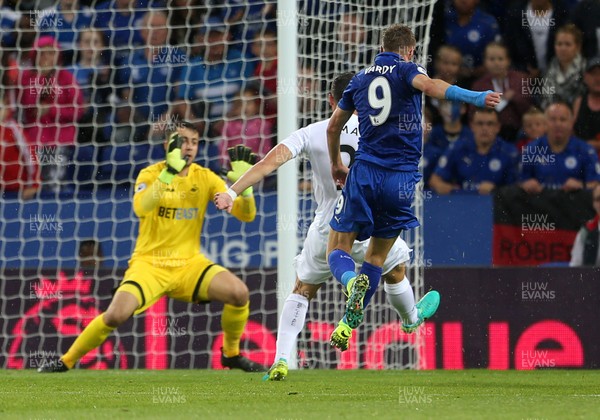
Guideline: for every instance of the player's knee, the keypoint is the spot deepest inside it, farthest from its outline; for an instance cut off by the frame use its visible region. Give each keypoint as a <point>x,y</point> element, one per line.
<point>307,290</point>
<point>114,317</point>
<point>376,260</point>
<point>396,275</point>
<point>239,295</point>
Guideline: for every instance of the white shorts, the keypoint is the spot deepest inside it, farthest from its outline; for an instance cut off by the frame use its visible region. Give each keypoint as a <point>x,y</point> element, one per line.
<point>312,267</point>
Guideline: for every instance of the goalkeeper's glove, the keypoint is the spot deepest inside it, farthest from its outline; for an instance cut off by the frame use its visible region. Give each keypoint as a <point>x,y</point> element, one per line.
<point>242,159</point>
<point>175,163</point>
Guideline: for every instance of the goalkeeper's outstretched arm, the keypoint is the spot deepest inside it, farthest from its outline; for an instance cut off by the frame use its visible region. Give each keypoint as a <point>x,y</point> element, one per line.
<point>273,160</point>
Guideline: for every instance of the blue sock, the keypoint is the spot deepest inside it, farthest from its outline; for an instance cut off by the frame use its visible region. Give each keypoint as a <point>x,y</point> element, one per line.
<point>374,274</point>
<point>342,266</point>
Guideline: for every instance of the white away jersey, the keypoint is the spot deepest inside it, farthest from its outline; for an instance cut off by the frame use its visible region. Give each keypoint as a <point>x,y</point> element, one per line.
<point>312,142</point>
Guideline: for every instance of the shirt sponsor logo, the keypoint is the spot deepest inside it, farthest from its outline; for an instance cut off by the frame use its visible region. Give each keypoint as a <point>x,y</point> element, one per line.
<point>178,213</point>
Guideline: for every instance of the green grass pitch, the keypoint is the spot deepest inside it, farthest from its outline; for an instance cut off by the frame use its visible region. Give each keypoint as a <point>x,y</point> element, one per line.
<point>306,394</point>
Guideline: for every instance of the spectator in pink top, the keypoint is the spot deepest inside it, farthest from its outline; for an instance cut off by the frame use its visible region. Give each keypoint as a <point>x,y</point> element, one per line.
<point>244,125</point>
<point>51,103</point>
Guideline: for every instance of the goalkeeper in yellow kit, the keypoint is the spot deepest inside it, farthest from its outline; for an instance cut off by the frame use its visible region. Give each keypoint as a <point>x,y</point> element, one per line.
<point>171,199</point>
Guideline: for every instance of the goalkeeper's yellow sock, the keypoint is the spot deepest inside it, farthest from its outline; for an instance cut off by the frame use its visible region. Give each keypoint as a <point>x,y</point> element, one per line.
<point>233,322</point>
<point>92,336</point>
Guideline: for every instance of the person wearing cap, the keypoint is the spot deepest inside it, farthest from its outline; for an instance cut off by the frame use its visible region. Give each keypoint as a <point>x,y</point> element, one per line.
<point>587,106</point>
<point>211,80</point>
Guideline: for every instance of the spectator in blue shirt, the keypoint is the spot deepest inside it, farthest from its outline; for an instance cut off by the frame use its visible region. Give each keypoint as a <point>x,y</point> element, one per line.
<point>17,43</point>
<point>145,82</point>
<point>559,160</point>
<point>146,77</point>
<point>477,164</point>
<point>8,22</point>
<point>120,24</point>
<point>209,82</point>
<point>64,22</point>
<point>93,75</point>
<point>248,17</point>
<point>470,29</point>
<point>444,134</point>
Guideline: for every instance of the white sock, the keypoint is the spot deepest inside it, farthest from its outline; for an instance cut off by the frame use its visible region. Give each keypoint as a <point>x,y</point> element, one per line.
<point>402,298</point>
<point>290,324</point>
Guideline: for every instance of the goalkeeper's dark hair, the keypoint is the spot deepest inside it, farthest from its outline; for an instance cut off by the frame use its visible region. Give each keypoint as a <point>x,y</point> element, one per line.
<point>398,38</point>
<point>339,84</point>
<point>172,128</point>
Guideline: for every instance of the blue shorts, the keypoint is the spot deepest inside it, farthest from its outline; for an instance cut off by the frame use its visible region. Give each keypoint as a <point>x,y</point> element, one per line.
<point>376,201</point>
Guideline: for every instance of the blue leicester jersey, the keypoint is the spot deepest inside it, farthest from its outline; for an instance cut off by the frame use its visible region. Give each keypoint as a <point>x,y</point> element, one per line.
<point>389,112</point>
<point>578,160</point>
<point>462,164</point>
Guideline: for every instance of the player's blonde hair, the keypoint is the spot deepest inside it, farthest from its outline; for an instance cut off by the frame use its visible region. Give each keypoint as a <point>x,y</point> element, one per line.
<point>398,38</point>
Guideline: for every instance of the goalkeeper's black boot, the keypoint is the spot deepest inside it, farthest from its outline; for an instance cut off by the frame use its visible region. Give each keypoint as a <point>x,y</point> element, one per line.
<point>241,362</point>
<point>53,366</point>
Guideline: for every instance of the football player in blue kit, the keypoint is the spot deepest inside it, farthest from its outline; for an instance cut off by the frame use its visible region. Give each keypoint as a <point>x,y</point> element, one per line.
<point>379,189</point>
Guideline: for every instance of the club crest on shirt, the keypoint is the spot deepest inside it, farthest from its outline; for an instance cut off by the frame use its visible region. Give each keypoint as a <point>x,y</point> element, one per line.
<point>571,162</point>
<point>495,165</point>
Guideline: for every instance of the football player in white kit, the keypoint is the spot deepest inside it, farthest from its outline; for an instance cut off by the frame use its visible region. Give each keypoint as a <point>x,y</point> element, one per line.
<point>312,269</point>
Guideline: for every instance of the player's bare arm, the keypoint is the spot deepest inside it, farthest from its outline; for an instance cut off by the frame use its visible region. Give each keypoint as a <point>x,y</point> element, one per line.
<point>437,88</point>
<point>242,160</point>
<point>273,160</point>
<point>339,118</point>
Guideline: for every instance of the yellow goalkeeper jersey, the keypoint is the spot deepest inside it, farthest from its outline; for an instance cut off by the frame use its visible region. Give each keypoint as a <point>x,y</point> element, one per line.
<point>171,230</point>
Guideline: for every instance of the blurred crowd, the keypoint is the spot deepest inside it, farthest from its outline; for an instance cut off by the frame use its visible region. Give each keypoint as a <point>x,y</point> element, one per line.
<point>89,88</point>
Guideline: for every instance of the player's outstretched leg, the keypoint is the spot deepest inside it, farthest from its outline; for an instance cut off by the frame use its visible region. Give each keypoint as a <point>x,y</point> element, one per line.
<point>120,310</point>
<point>340,337</point>
<point>91,337</point>
<point>426,308</point>
<point>290,324</point>
<point>357,289</point>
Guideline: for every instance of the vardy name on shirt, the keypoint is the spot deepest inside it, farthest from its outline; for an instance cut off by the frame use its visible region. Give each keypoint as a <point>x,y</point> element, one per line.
<point>380,69</point>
